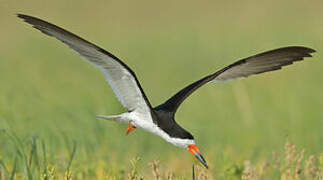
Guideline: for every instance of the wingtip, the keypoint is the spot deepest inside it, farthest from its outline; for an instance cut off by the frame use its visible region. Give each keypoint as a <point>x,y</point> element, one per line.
<point>308,50</point>
<point>22,16</point>
<point>312,50</point>
<point>28,19</point>
<point>305,51</point>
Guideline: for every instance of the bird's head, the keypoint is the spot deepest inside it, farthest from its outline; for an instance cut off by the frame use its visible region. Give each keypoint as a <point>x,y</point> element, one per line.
<point>192,148</point>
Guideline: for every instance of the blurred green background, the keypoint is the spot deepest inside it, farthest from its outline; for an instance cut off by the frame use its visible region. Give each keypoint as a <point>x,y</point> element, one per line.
<point>48,91</point>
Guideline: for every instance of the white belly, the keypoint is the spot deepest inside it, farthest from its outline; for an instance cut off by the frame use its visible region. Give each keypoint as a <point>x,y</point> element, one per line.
<point>145,122</point>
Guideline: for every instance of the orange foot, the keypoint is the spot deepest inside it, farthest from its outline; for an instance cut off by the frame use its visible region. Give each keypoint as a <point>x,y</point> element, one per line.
<point>130,128</point>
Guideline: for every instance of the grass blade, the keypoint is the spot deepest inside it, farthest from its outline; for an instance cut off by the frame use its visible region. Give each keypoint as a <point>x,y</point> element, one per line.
<point>34,164</point>
<point>33,151</point>
<point>26,167</point>
<point>72,156</point>
<point>5,171</point>
<point>44,157</point>
<point>13,172</point>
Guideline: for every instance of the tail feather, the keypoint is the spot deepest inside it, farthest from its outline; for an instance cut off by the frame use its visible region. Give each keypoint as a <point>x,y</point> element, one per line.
<point>111,118</point>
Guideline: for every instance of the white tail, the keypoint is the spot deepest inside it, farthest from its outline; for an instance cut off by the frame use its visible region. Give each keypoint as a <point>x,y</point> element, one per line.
<point>111,118</point>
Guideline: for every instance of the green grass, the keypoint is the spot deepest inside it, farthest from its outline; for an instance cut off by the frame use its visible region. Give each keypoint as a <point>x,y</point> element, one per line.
<point>49,97</point>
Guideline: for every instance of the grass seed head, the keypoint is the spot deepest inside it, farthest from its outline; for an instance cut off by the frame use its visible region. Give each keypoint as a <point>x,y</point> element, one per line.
<point>155,169</point>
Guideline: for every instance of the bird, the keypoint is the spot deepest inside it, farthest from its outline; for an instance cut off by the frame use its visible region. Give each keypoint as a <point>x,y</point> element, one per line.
<point>160,120</point>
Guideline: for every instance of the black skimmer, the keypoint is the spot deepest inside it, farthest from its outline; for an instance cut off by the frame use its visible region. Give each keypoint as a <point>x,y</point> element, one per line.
<point>160,120</point>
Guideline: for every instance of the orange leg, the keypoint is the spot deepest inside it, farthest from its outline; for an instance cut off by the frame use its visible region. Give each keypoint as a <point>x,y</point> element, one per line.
<point>130,128</point>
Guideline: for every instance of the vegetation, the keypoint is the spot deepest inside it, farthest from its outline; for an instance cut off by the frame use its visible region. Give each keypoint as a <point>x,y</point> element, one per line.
<point>287,164</point>
<point>49,97</point>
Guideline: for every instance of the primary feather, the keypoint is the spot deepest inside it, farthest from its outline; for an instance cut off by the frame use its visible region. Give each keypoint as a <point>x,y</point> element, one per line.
<point>160,120</point>
<point>121,78</point>
<point>260,63</point>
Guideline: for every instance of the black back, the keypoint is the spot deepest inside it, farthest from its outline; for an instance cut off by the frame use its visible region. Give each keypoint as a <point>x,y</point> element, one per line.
<point>165,120</point>
<point>163,115</point>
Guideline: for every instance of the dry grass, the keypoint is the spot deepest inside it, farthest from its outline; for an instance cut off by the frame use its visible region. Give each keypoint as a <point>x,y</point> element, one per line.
<point>290,165</point>
<point>155,169</point>
<point>50,92</point>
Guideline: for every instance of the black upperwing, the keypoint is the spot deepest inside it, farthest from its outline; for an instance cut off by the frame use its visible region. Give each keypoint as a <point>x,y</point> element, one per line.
<point>260,63</point>
<point>121,78</point>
